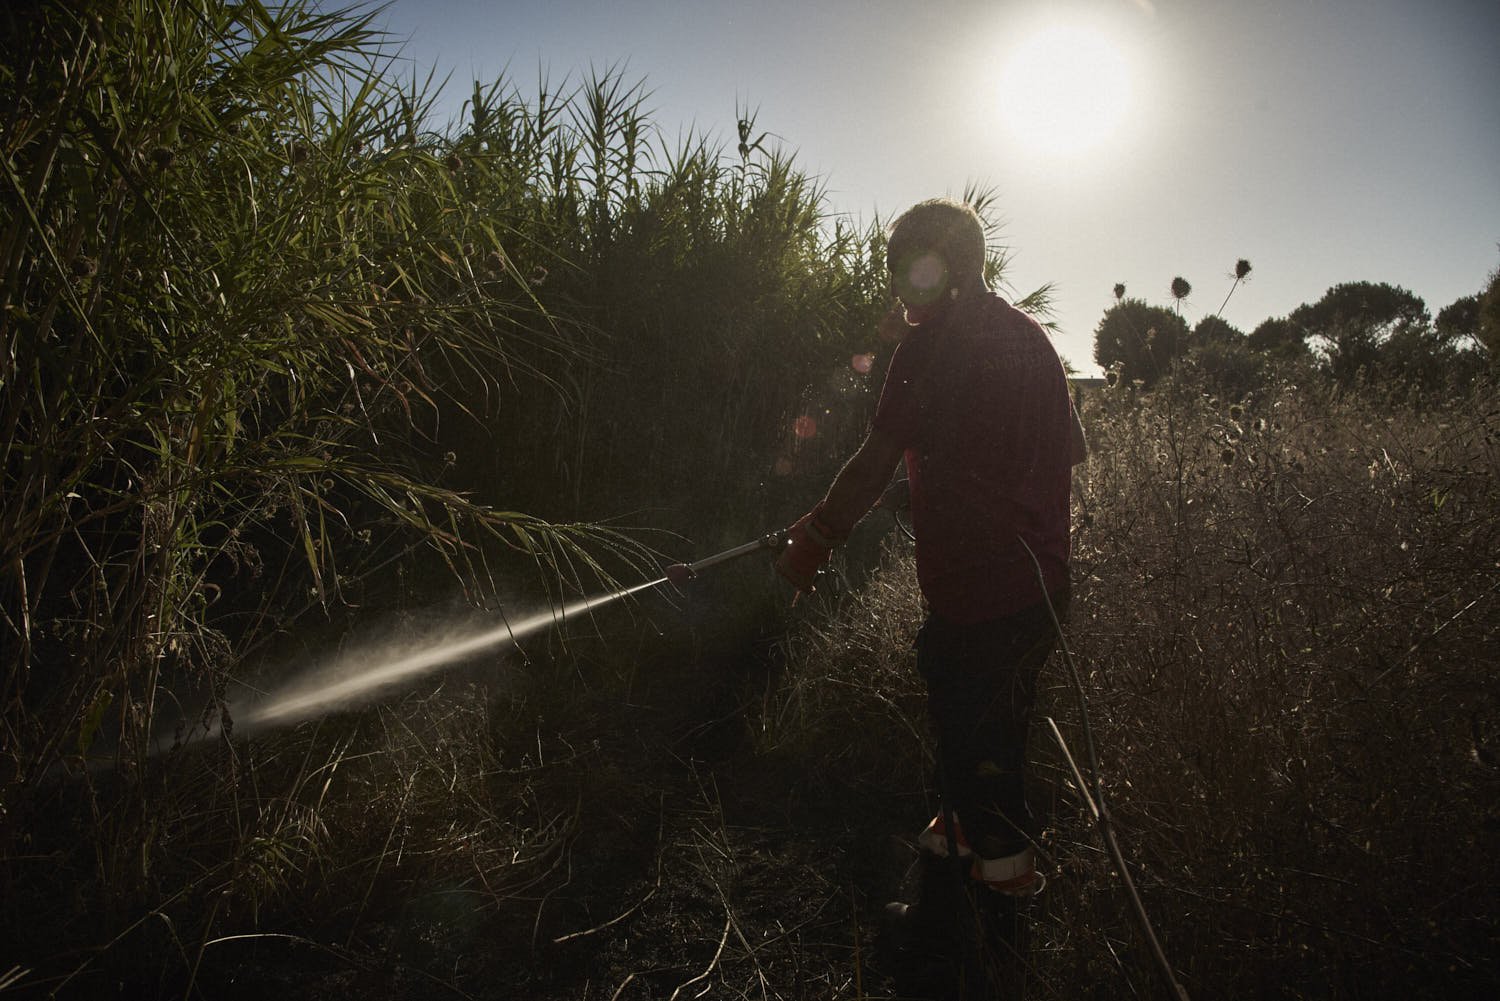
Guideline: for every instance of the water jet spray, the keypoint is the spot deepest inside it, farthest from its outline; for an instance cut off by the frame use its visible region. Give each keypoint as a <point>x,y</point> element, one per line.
<point>335,685</point>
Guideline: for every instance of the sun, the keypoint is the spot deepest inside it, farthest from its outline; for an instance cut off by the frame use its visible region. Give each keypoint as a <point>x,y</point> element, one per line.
<point>1064,89</point>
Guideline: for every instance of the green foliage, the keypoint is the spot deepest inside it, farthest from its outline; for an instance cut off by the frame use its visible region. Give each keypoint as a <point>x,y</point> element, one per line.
<point>1364,332</point>
<point>1139,341</point>
<point>1488,321</point>
<point>1219,352</point>
<point>1349,325</point>
<point>1216,329</point>
<point>275,351</point>
<point>1229,368</point>
<point>716,303</point>
<point>1278,337</point>
<point>1383,334</point>
<point>1459,320</point>
<point>1428,360</point>
<point>235,274</point>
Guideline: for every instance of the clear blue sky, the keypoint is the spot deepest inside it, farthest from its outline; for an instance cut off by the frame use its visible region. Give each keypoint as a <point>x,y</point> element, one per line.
<point>1324,140</point>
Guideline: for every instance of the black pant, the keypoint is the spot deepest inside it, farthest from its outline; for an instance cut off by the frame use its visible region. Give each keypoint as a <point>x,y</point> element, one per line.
<point>981,682</point>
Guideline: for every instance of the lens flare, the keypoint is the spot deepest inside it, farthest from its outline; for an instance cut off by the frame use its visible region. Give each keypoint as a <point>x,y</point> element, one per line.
<point>921,279</point>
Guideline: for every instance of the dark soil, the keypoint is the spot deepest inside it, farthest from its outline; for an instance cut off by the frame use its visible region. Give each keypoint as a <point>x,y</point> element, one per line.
<point>688,864</point>
<point>728,882</point>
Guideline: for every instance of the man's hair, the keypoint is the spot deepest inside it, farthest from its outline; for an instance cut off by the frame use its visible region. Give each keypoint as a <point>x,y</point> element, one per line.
<point>944,226</point>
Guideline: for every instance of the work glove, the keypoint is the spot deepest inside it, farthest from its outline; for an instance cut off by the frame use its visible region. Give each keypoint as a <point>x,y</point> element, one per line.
<point>808,546</point>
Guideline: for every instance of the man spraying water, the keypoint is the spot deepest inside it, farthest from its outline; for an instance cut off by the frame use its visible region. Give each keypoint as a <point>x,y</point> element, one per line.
<point>976,402</point>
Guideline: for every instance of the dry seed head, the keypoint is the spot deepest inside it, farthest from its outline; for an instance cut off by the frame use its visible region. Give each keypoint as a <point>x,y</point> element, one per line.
<point>1241,269</point>
<point>1119,291</point>
<point>1180,288</point>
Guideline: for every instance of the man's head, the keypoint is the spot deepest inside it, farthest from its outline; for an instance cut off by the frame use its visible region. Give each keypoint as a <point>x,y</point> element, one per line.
<point>935,249</point>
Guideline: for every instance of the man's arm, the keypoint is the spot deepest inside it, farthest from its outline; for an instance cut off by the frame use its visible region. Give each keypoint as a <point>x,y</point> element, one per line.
<point>856,488</point>
<point>861,482</point>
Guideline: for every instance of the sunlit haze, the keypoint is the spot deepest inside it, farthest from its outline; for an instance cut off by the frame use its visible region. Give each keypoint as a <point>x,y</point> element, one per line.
<point>1064,89</point>
<point>1128,141</point>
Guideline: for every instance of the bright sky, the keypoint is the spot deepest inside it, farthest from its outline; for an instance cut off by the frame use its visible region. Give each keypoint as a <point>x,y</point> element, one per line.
<point>1324,140</point>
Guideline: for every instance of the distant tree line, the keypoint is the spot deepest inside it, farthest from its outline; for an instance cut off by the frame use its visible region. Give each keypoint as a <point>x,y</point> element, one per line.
<point>1358,332</point>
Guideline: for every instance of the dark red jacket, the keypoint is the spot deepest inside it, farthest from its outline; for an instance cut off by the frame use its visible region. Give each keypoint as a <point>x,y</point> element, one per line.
<point>980,403</point>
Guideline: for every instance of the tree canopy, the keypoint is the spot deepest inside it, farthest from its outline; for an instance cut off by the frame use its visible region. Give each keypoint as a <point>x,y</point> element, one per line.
<point>1140,339</point>
<point>1278,337</point>
<point>1459,319</point>
<point>1353,320</point>
<point>1356,330</point>
<point>1214,329</point>
<point>1488,327</point>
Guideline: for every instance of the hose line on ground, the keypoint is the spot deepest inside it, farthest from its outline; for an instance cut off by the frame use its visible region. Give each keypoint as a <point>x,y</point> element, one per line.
<point>1095,800</point>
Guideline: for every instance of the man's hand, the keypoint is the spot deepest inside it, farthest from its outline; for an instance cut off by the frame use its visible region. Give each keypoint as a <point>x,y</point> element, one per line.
<point>809,543</point>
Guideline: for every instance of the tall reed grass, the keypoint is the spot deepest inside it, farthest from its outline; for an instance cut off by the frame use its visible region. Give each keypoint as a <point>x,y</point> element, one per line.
<point>280,355</point>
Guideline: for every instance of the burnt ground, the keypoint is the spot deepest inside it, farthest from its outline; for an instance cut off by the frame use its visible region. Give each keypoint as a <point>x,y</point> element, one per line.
<point>726,880</point>
<point>665,856</point>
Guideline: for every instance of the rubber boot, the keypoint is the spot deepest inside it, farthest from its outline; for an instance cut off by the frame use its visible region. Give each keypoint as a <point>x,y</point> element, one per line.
<point>1005,928</point>
<point>958,941</point>
<point>922,940</point>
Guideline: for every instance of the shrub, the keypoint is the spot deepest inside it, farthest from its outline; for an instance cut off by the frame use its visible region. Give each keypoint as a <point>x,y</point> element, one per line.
<point>1141,340</point>
<point>1282,610</point>
<point>1285,611</point>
